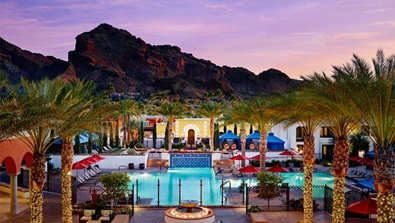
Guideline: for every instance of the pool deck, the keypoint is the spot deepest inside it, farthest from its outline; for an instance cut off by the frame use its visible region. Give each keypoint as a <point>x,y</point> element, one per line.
<point>52,208</point>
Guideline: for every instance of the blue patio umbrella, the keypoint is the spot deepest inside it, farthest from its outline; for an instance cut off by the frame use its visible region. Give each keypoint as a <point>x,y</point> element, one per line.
<point>368,184</point>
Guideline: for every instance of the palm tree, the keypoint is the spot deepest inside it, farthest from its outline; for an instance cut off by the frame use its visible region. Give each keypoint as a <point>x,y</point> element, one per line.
<point>82,110</point>
<point>212,111</point>
<point>128,108</point>
<point>170,110</point>
<point>294,108</point>
<point>255,111</point>
<point>330,104</point>
<point>36,115</point>
<point>372,92</point>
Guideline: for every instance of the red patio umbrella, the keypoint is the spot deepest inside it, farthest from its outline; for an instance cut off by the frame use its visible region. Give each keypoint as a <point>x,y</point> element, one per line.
<point>277,169</point>
<point>97,156</point>
<point>88,161</point>
<point>258,157</point>
<point>365,160</point>
<point>287,153</point>
<point>354,158</point>
<point>367,206</point>
<point>94,158</point>
<point>79,166</point>
<point>239,157</point>
<point>249,169</point>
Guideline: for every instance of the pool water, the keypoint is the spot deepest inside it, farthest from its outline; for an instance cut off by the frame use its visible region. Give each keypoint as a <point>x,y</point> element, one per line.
<point>169,189</point>
<point>319,180</point>
<point>297,179</point>
<point>211,193</point>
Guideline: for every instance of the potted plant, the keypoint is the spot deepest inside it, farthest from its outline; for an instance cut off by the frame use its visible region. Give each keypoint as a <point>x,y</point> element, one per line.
<point>131,166</point>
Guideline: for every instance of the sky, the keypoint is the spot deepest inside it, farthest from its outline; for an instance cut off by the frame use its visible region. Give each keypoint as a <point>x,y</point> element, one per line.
<point>298,37</point>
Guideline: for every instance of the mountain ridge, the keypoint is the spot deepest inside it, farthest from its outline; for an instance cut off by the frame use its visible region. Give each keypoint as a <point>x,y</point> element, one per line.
<point>110,55</point>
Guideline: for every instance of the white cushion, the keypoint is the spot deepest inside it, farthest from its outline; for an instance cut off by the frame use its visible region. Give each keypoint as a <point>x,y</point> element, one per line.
<point>103,218</point>
<point>86,218</point>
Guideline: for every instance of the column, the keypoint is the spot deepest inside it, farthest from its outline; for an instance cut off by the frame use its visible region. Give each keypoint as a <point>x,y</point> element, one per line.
<point>13,195</point>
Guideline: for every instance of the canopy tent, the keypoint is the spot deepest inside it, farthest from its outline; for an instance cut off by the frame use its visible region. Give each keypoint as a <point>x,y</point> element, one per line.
<point>368,184</point>
<point>254,139</point>
<point>93,136</point>
<point>273,142</point>
<point>83,139</point>
<point>229,141</point>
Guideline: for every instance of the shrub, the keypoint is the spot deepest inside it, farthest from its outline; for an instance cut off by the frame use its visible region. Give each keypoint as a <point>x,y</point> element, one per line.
<point>254,209</point>
<point>298,204</point>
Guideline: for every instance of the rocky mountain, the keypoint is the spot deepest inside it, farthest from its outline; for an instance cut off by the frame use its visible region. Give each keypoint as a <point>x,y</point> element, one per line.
<point>110,55</point>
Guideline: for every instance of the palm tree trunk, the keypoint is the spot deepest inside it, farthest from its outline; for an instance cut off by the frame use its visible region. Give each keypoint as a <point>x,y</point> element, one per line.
<point>211,134</point>
<point>339,169</point>
<point>170,133</point>
<point>308,165</point>
<point>67,163</point>
<point>124,132</point>
<point>263,150</point>
<point>36,186</point>
<point>243,139</point>
<point>128,130</point>
<point>384,182</point>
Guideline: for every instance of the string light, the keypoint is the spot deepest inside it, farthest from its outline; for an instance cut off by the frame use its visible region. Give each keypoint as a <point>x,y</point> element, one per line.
<point>338,200</point>
<point>308,194</point>
<point>385,212</point>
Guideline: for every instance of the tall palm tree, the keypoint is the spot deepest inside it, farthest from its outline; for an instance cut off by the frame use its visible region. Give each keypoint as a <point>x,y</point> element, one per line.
<point>211,110</point>
<point>82,110</point>
<point>38,105</point>
<point>293,108</point>
<point>257,112</point>
<point>170,110</point>
<point>128,108</point>
<point>329,101</point>
<point>372,92</point>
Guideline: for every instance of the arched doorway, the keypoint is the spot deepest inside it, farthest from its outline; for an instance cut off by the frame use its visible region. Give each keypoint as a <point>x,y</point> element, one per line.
<point>191,137</point>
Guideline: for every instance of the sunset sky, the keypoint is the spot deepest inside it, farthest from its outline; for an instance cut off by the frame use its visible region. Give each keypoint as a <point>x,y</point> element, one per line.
<point>297,37</point>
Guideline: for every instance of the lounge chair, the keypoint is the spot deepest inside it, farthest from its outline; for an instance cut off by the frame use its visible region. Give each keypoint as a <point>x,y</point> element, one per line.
<point>229,169</point>
<point>225,152</point>
<point>365,177</point>
<point>292,167</point>
<point>236,173</point>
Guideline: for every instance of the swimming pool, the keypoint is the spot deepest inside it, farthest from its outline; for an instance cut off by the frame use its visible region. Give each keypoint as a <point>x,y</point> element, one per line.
<point>169,189</point>
<point>211,193</point>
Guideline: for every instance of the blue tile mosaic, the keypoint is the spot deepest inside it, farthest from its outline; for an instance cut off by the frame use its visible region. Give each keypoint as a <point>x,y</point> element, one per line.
<point>191,160</point>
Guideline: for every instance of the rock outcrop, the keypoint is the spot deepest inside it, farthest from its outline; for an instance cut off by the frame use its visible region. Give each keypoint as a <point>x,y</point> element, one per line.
<point>19,63</point>
<point>110,55</point>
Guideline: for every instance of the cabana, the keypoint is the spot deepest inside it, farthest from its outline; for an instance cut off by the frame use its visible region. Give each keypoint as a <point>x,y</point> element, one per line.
<point>253,140</point>
<point>273,142</point>
<point>229,141</point>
